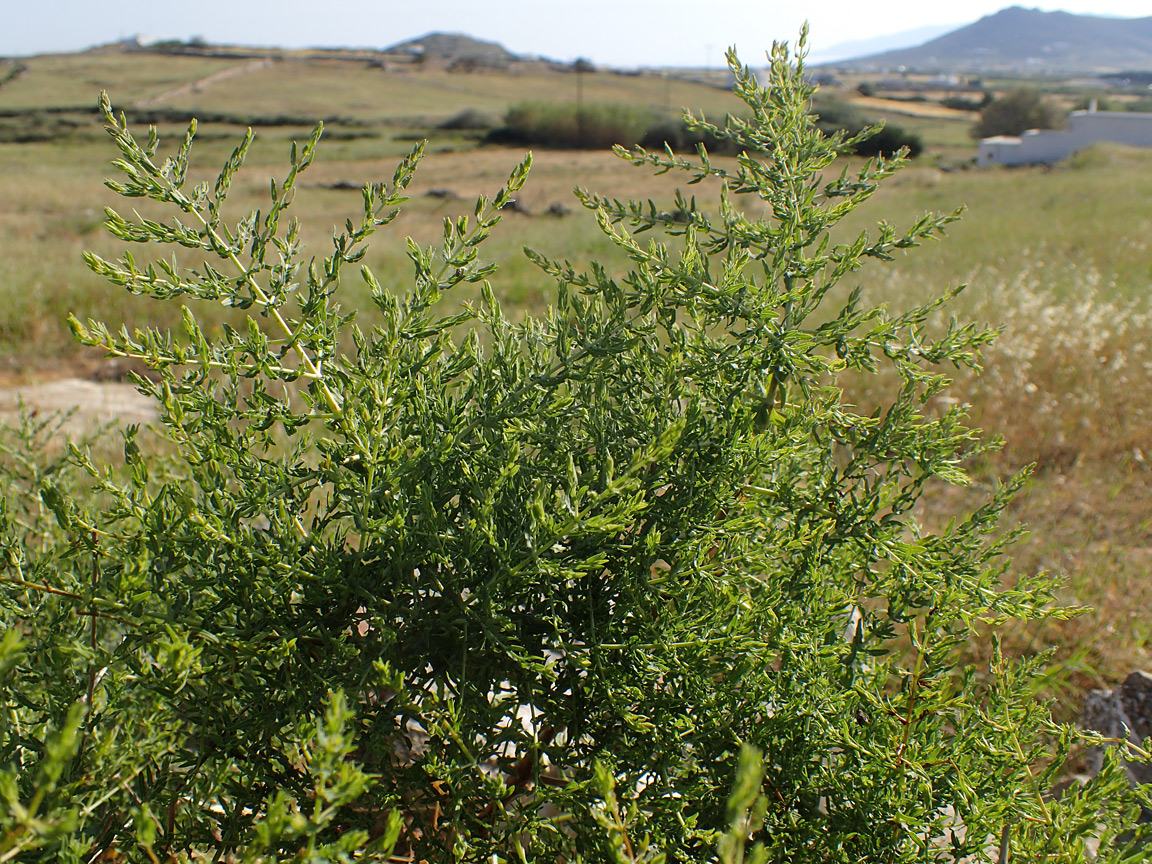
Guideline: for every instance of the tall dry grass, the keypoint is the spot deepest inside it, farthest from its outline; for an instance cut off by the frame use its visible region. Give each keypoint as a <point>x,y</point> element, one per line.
<point>1070,379</point>
<point>1068,384</point>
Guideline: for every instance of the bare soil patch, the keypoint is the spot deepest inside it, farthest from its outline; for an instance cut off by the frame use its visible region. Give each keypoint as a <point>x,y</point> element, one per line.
<point>92,403</point>
<point>198,86</point>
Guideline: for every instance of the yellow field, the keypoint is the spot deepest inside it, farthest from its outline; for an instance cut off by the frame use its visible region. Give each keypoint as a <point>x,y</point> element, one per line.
<point>912,109</point>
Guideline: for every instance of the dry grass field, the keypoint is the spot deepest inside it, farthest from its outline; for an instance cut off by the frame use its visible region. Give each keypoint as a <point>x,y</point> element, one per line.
<point>1059,256</point>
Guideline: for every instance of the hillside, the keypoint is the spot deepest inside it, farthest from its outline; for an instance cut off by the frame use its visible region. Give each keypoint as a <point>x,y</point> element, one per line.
<point>877,44</point>
<point>1021,40</point>
<point>372,94</point>
<point>454,48</point>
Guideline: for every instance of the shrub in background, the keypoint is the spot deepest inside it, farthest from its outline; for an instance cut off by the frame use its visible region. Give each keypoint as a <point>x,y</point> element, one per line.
<point>570,125</point>
<point>832,115</point>
<point>866,138</point>
<point>679,135</point>
<point>453,588</point>
<point>1016,111</point>
<point>36,126</point>
<point>601,126</point>
<point>470,119</point>
<point>888,141</point>
<point>967,103</point>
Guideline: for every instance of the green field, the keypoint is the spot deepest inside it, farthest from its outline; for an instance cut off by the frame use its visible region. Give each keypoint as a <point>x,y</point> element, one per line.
<point>1059,255</point>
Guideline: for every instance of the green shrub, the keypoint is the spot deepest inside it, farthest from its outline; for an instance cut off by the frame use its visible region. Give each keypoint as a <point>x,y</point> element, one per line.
<point>39,126</point>
<point>888,141</point>
<point>684,137</point>
<point>965,103</point>
<point>836,117</point>
<point>832,115</point>
<point>454,588</point>
<point>182,115</point>
<point>1017,111</point>
<point>470,119</point>
<point>598,125</point>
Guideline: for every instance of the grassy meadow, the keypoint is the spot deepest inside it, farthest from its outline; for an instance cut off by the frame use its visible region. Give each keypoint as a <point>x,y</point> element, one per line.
<point>1059,256</point>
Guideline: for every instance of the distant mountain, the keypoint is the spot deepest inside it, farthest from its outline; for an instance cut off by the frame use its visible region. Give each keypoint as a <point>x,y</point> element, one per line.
<point>452,48</point>
<point>1019,39</point>
<point>864,47</point>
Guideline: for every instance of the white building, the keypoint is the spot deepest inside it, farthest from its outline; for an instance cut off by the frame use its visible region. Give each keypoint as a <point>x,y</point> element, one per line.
<point>1083,129</point>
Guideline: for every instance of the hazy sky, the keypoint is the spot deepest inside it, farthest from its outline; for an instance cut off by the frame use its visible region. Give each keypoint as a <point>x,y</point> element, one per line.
<point>617,32</point>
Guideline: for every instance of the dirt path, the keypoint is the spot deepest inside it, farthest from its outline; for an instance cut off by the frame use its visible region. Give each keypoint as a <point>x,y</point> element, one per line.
<point>94,402</point>
<point>197,86</point>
